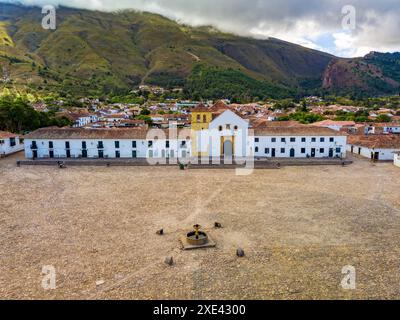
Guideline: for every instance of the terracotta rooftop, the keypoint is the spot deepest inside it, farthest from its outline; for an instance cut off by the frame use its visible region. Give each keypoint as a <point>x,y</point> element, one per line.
<point>6,135</point>
<point>200,108</point>
<point>302,130</point>
<point>219,106</point>
<point>390,124</point>
<point>333,123</point>
<point>115,115</point>
<point>383,141</point>
<point>262,123</point>
<point>103,133</point>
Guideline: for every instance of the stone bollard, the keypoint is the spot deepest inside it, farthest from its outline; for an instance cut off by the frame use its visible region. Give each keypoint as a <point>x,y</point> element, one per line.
<point>169,261</point>
<point>240,252</point>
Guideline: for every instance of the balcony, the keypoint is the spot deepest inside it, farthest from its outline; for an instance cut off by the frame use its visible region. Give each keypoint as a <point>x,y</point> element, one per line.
<point>34,147</point>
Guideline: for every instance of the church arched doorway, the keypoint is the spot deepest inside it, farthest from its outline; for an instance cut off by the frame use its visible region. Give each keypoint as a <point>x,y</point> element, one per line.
<point>228,148</point>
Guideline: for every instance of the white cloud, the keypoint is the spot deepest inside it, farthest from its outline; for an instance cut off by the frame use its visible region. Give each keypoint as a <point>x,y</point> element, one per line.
<point>345,44</point>
<point>301,22</point>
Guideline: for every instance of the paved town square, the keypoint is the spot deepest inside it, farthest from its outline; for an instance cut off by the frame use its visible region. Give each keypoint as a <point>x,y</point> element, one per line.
<point>298,226</point>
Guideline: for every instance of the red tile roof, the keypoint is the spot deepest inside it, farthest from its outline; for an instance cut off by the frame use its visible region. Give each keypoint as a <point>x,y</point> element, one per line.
<point>220,106</point>
<point>302,130</point>
<point>200,108</point>
<point>92,133</point>
<point>262,123</point>
<point>6,135</point>
<point>383,141</point>
<point>326,123</point>
<point>390,124</point>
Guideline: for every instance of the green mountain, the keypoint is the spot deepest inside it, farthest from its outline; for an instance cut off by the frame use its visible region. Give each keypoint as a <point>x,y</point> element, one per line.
<point>98,52</point>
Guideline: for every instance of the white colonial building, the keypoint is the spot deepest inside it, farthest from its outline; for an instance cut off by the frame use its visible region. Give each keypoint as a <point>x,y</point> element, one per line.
<point>10,143</point>
<point>81,120</point>
<point>107,143</point>
<point>381,147</point>
<point>299,142</point>
<point>389,127</point>
<point>217,134</point>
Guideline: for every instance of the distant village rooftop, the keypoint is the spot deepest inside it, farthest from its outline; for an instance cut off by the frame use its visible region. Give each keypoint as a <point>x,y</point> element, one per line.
<point>326,123</point>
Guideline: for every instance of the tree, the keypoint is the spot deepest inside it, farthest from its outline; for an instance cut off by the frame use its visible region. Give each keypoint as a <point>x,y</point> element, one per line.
<point>145,112</point>
<point>303,117</point>
<point>146,119</point>
<point>383,118</point>
<point>16,115</point>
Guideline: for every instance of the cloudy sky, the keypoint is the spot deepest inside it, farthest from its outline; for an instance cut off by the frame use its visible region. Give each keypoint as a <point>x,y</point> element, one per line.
<point>328,25</point>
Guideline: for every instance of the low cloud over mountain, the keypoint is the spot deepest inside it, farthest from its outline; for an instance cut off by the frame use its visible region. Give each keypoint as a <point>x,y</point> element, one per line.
<point>313,23</point>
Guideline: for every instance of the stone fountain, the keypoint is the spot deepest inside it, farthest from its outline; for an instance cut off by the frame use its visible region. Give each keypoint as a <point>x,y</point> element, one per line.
<point>197,239</point>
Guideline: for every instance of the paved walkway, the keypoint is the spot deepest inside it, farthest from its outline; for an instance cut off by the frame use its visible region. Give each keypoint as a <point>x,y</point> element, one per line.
<point>258,163</point>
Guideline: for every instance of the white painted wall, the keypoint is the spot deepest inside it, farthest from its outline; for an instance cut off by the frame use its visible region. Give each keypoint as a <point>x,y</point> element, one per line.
<point>302,146</point>
<point>181,147</point>
<point>144,149</point>
<point>334,127</point>
<point>384,154</point>
<point>7,148</point>
<point>391,129</point>
<point>83,121</point>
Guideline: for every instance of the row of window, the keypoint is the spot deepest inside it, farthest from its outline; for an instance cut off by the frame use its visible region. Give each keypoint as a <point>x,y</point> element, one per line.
<point>13,142</point>
<point>85,154</point>
<point>303,150</point>
<point>167,144</point>
<point>198,118</point>
<point>100,144</point>
<point>294,140</point>
<point>227,127</point>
